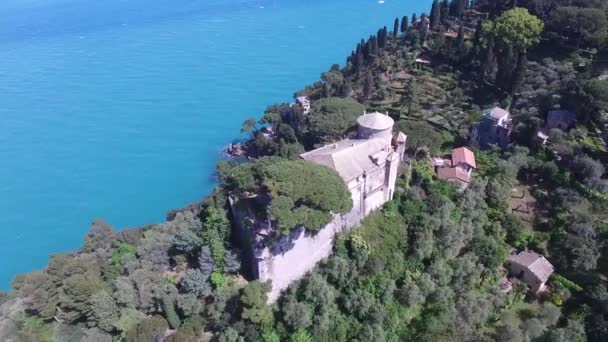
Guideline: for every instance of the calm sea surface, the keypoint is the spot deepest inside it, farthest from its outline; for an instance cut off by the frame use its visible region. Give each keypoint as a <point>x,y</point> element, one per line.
<point>118,109</point>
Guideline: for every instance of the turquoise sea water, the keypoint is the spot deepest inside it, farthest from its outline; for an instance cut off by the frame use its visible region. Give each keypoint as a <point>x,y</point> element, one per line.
<point>119,109</point>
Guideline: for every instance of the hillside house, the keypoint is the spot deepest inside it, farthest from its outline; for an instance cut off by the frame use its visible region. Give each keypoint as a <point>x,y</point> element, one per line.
<point>531,268</point>
<point>304,103</point>
<point>422,23</point>
<point>556,119</point>
<point>494,129</point>
<point>560,119</point>
<point>457,170</point>
<point>473,15</point>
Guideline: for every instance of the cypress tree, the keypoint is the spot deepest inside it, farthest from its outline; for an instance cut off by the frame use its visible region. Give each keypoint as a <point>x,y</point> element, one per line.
<point>477,39</point>
<point>423,35</point>
<point>359,58</point>
<point>396,28</point>
<point>445,11</point>
<point>404,24</point>
<point>435,15</point>
<point>424,30</point>
<point>168,305</point>
<point>375,48</point>
<point>452,11</point>
<point>489,62</point>
<point>506,64</point>
<point>414,18</point>
<point>384,35</point>
<point>380,39</point>
<point>460,38</point>
<point>519,74</point>
<point>368,86</point>
<point>460,6</point>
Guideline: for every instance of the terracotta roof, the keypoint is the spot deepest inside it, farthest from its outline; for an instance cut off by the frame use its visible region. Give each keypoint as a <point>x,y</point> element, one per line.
<point>441,162</point>
<point>463,155</point>
<point>376,121</point>
<point>453,173</point>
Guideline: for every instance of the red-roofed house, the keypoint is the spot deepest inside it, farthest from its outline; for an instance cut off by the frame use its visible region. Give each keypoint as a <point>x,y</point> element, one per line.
<point>453,174</point>
<point>464,157</point>
<point>460,168</point>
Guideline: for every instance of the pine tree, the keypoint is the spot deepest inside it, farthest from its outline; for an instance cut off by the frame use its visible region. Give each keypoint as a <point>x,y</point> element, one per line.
<point>404,24</point>
<point>435,15</point>
<point>396,28</point>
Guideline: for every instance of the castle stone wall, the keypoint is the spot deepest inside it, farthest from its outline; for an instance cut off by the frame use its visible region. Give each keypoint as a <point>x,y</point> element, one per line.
<point>286,267</point>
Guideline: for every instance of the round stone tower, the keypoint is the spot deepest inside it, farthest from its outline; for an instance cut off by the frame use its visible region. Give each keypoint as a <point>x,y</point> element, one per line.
<point>374,125</point>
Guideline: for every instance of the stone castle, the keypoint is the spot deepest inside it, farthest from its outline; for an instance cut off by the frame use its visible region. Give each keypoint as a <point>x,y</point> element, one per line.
<point>368,165</point>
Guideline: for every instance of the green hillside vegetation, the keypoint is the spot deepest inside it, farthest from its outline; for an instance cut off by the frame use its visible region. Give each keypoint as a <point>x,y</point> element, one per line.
<point>428,265</point>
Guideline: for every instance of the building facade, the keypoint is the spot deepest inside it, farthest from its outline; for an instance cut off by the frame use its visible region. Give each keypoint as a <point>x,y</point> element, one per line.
<point>304,102</point>
<point>368,165</point>
<point>531,268</point>
<point>494,129</point>
<point>457,170</point>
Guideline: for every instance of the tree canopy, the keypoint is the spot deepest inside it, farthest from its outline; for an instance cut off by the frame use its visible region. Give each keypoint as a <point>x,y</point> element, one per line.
<point>515,27</point>
<point>331,117</point>
<point>295,200</point>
